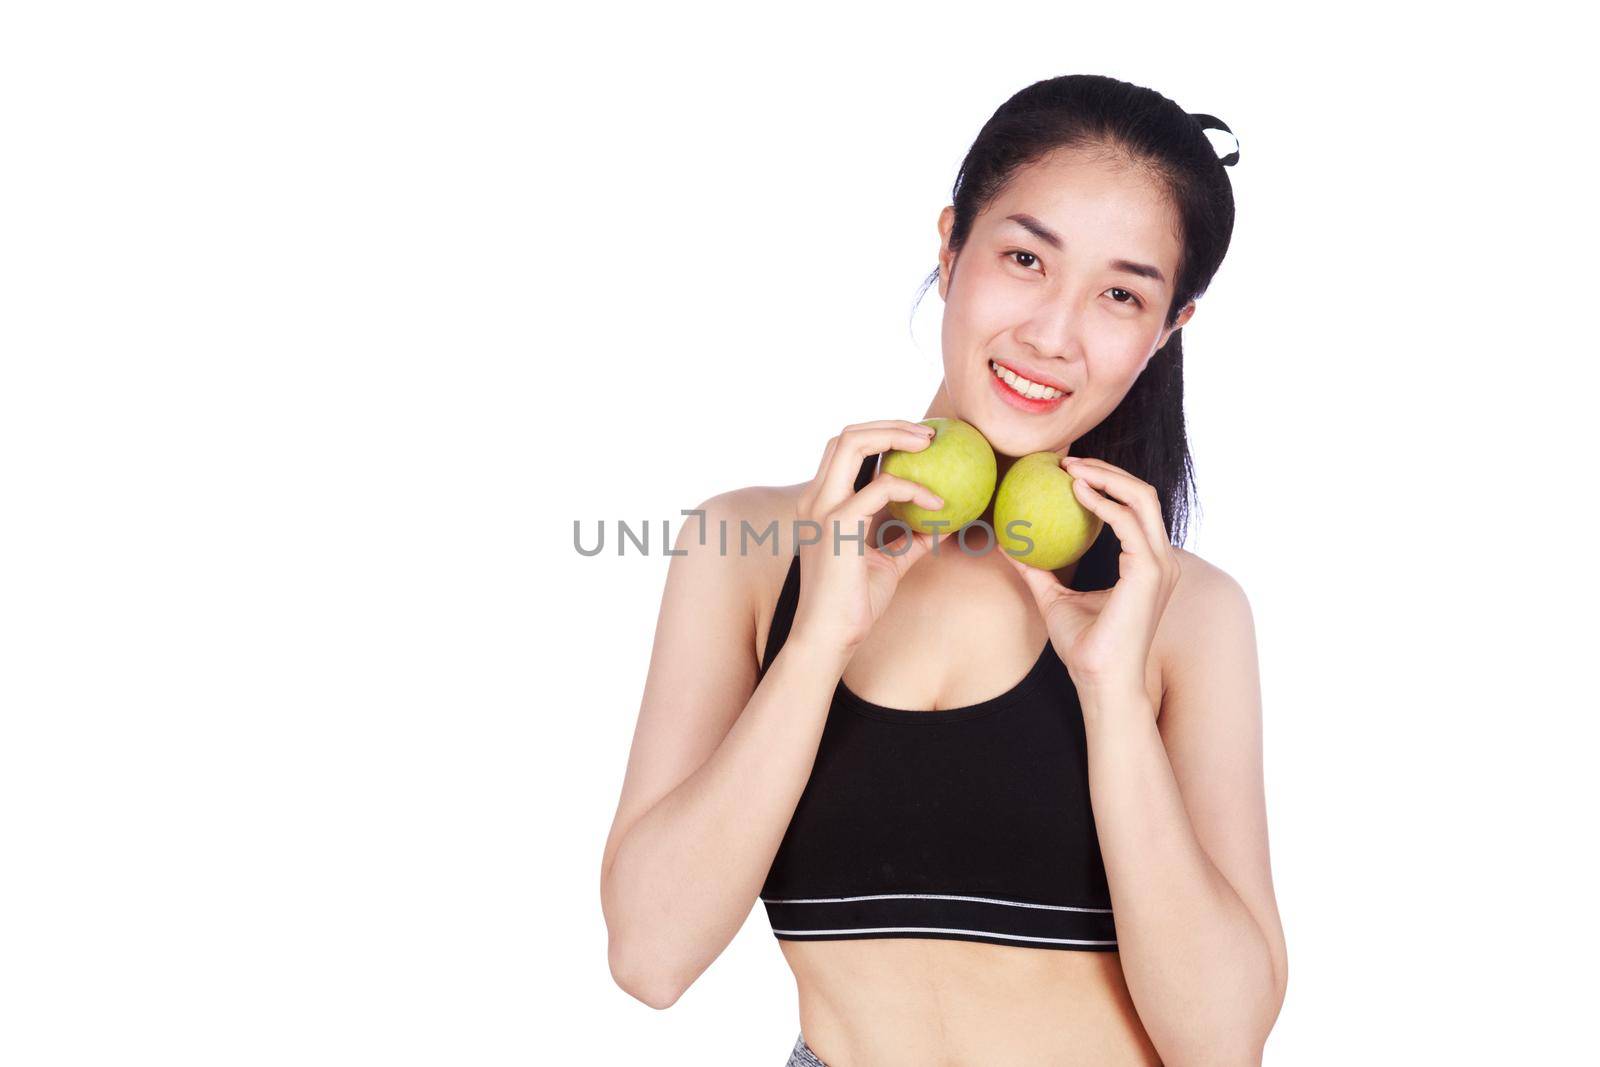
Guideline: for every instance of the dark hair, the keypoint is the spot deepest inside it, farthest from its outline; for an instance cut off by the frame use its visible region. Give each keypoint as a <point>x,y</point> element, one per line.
<point>1145,434</point>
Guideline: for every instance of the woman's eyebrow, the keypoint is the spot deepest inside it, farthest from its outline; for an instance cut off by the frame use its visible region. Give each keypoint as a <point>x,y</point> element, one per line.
<point>1049,237</point>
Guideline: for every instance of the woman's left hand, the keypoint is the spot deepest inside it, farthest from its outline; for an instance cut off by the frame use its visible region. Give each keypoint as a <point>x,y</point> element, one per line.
<point>1104,636</point>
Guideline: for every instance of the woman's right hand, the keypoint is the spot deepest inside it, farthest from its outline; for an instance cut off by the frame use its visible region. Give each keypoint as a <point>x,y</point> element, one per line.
<point>843,592</point>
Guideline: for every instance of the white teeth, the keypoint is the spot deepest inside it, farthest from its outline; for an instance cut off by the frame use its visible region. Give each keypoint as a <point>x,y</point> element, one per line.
<point>1023,385</point>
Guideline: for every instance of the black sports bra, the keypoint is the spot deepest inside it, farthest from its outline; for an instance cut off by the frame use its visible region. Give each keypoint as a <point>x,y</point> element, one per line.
<point>966,824</point>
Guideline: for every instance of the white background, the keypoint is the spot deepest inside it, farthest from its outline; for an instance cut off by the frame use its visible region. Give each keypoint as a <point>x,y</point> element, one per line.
<point>323,322</point>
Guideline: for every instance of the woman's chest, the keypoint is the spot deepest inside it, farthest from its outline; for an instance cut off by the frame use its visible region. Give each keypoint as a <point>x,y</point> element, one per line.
<point>962,638</point>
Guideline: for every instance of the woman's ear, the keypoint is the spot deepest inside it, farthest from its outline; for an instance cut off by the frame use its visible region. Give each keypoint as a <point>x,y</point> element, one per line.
<point>1183,317</point>
<point>947,219</point>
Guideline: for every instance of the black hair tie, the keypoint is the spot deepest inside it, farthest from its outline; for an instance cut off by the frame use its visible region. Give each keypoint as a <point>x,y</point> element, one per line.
<point>1211,122</point>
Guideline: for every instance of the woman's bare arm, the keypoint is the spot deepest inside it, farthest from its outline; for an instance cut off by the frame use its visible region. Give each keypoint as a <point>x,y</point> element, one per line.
<point>718,763</point>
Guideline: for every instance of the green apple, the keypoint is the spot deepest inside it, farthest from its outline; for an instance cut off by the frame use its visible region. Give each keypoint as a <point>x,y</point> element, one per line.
<point>1037,491</point>
<point>958,465</point>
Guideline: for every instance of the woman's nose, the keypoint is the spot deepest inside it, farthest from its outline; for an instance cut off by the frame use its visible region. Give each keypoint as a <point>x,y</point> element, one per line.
<point>1051,331</point>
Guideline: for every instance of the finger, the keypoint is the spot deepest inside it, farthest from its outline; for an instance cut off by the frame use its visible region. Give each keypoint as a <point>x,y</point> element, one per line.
<point>889,424</point>
<point>1129,529</point>
<point>827,459</point>
<point>877,493</point>
<point>855,445</point>
<point>1135,493</point>
<point>1126,489</point>
<point>1044,585</point>
<point>833,442</point>
<point>880,424</point>
<point>906,555</point>
<point>1095,461</point>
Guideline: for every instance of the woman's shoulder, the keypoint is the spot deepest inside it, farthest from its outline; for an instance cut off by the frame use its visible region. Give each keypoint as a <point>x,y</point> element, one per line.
<point>1201,582</point>
<point>752,522</point>
<point>1203,590</point>
<point>745,538</point>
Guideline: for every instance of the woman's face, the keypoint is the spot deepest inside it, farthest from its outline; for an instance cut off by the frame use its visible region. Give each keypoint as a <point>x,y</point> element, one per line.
<point>1054,286</point>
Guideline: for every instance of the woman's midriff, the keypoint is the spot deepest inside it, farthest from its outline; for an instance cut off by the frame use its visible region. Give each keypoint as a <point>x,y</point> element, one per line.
<point>897,1002</point>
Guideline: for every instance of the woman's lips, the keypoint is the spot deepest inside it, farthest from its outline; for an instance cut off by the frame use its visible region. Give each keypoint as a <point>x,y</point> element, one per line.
<point>1031,405</point>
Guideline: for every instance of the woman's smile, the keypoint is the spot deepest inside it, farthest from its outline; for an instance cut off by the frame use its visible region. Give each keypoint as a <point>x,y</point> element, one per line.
<point>1024,393</point>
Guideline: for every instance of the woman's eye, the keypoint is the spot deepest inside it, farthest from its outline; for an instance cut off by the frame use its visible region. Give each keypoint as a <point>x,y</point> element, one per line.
<point>1027,259</point>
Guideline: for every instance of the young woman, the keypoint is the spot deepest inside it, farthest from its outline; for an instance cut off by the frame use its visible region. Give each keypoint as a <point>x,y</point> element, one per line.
<point>996,815</point>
